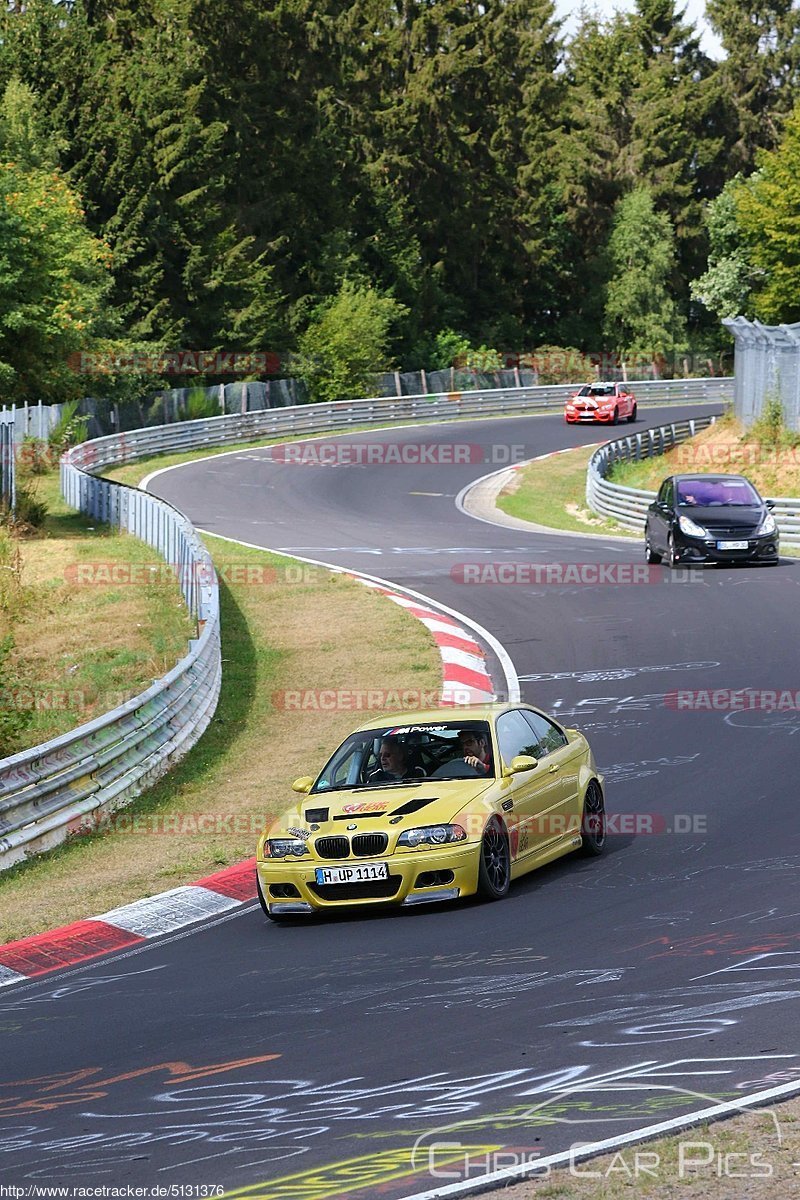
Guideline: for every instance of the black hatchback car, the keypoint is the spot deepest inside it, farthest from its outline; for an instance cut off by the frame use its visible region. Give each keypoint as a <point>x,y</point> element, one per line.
<point>710,519</point>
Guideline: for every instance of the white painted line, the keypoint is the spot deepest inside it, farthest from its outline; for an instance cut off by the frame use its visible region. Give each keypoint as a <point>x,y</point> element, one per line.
<point>168,911</point>
<point>461,659</point>
<point>8,976</point>
<point>594,1149</point>
<point>438,626</point>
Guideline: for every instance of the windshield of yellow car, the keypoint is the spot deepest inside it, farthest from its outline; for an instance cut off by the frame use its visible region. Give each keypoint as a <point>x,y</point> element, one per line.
<point>407,755</point>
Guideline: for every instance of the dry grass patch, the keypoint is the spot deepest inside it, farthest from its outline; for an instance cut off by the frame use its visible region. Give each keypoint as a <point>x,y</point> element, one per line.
<point>325,632</point>
<point>76,650</point>
<point>749,1156</point>
<point>723,448</point>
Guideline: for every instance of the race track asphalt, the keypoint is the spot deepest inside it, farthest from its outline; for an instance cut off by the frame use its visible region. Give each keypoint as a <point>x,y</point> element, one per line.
<point>327,1058</point>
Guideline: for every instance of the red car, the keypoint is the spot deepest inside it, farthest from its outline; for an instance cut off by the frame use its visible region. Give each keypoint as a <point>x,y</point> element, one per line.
<point>604,402</point>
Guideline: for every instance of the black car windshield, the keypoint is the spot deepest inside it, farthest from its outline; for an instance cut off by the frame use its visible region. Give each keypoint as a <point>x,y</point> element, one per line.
<point>710,493</point>
<point>405,755</point>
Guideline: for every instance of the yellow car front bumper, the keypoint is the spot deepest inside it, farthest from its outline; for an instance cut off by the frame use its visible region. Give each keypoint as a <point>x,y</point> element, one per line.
<point>418,876</point>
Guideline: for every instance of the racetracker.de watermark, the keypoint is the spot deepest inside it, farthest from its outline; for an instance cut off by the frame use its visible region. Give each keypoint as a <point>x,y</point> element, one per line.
<point>708,457</point>
<point>733,700</point>
<point>345,699</point>
<point>176,362</point>
<point>347,453</point>
<point>562,574</point>
<point>186,824</point>
<point>149,574</point>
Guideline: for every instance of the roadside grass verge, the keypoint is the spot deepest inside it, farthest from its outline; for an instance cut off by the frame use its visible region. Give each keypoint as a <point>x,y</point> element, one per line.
<point>320,633</point>
<point>552,492</point>
<point>749,1156</point>
<point>723,448</point>
<point>75,651</point>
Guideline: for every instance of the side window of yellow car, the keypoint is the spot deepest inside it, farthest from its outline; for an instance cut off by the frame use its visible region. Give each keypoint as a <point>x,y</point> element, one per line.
<point>514,736</point>
<point>548,736</point>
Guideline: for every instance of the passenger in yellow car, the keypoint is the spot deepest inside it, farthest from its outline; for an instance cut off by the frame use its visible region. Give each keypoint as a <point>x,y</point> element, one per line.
<point>475,751</point>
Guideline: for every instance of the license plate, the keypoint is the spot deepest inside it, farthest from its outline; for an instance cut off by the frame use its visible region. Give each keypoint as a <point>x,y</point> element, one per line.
<point>357,873</point>
<point>732,545</point>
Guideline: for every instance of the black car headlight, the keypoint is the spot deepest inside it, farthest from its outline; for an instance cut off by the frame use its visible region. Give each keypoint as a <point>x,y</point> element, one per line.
<point>767,526</point>
<point>284,847</point>
<point>432,835</point>
<point>691,528</point>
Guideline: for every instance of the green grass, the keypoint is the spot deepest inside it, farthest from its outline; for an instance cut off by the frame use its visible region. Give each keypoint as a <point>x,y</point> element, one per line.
<point>552,492</point>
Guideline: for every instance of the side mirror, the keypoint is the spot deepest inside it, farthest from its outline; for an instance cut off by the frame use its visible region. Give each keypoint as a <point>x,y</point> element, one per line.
<point>523,762</point>
<point>303,784</point>
<point>770,503</point>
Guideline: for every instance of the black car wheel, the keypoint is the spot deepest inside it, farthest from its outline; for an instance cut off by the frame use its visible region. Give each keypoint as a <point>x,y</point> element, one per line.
<point>494,873</point>
<point>672,558</point>
<point>632,417</point>
<point>615,418</point>
<point>649,552</point>
<point>593,825</point>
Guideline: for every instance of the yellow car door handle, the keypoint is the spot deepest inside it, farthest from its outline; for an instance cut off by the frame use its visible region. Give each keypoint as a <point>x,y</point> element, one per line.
<point>555,768</point>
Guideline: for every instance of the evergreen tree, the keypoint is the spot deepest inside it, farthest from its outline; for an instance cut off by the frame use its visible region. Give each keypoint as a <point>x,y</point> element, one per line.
<point>641,317</point>
<point>760,72</point>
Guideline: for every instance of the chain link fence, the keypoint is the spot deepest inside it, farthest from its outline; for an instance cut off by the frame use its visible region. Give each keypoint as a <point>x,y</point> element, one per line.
<point>767,366</point>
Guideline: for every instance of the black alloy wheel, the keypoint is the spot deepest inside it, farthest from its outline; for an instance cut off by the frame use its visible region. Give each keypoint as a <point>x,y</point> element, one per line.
<point>593,824</point>
<point>494,874</point>
<point>672,558</point>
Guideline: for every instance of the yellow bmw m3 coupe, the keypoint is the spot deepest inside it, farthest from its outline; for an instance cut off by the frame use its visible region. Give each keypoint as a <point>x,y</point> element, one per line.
<point>431,806</point>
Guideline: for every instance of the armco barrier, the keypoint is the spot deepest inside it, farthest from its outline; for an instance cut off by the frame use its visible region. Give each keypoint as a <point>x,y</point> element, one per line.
<point>628,506</point>
<point>342,415</point>
<point>51,789</point>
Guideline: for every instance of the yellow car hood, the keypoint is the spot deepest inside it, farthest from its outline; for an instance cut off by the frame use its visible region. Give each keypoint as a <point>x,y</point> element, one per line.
<point>382,809</point>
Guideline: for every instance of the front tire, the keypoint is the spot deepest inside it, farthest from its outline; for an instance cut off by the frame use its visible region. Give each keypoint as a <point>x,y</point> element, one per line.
<point>672,560</point>
<point>632,417</point>
<point>593,821</point>
<point>494,872</point>
<point>264,906</point>
<point>615,418</point>
<point>650,554</point>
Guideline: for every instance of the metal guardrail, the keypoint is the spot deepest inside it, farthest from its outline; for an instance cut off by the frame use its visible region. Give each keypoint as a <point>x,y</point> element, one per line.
<point>628,506</point>
<point>50,790</point>
<point>341,415</point>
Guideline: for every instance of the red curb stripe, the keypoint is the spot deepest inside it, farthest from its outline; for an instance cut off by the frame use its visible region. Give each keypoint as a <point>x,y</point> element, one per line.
<point>63,947</point>
<point>430,615</point>
<point>238,881</point>
<point>464,677</point>
<point>458,643</point>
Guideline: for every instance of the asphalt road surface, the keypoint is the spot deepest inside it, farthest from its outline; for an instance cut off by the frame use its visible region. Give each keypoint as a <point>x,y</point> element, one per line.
<point>386,1054</point>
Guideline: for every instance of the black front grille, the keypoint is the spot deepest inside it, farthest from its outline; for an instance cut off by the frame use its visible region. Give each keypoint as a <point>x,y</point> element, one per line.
<point>730,533</point>
<point>375,889</point>
<point>332,847</point>
<point>365,844</point>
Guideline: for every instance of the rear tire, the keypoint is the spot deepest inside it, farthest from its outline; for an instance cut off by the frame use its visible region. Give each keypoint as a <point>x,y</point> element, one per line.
<point>593,821</point>
<point>494,872</point>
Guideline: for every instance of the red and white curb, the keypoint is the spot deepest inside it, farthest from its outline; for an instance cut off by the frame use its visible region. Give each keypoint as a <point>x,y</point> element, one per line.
<point>465,677</point>
<point>128,925</point>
